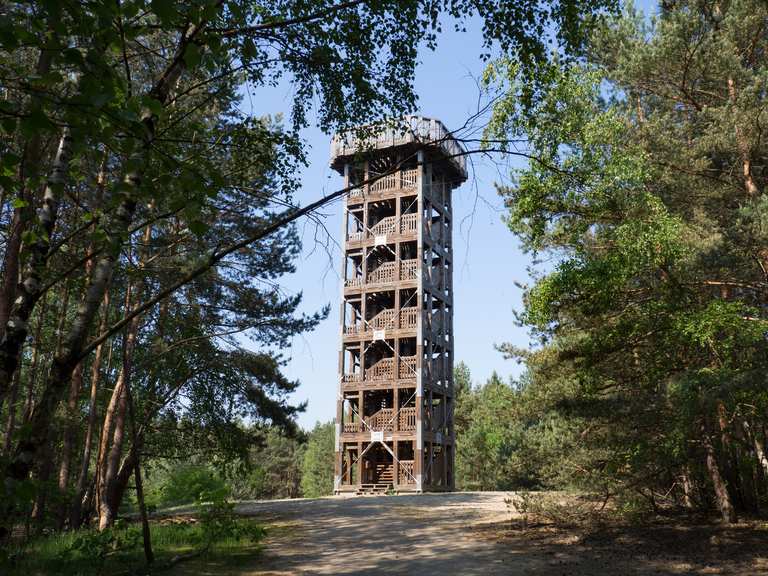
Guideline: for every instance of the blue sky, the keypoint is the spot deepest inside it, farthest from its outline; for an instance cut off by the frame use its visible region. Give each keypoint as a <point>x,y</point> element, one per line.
<point>487,259</point>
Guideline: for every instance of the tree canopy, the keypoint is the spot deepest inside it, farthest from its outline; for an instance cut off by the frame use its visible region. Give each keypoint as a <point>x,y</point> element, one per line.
<point>647,189</point>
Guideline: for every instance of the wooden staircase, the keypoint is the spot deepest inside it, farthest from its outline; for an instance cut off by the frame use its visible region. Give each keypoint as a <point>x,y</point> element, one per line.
<point>385,479</point>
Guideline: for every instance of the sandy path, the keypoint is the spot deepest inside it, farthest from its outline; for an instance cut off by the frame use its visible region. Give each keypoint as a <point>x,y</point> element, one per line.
<point>419,535</point>
<point>467,534</point>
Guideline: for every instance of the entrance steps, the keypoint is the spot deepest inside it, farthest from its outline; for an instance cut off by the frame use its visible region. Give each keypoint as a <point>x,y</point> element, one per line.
<point>373,489</point>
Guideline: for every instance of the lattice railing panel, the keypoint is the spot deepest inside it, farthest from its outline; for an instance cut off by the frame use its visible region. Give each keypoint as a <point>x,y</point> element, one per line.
<point>408,317</point>
<point>384,226</point>
<point>384,273</point>
<point>407,367</point>
<point>384,369</point>
<point>351,427</point>
<point>407,419</point>
<point>354,282</point>
<point>408,269</point>
<point>408,223</point>
<point>383,320</point>
<point>405,475</point>
<point>388,182</point>
<point>381,420</point>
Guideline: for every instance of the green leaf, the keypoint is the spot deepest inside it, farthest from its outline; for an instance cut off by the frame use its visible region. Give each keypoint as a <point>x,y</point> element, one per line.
<point>192,55</point>
<point>8,125</point>
<point>164,10</point>
<point>19,203</point>
<point>36,123</point>
<point>10,159</point>
<point>154,106</point>
<point>198,228</point>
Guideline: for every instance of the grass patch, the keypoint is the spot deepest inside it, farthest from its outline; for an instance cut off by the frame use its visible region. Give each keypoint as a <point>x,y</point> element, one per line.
<point>120,551</point>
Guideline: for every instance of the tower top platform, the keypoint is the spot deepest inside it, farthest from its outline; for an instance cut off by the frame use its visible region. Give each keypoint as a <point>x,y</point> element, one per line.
<point>409,134</point>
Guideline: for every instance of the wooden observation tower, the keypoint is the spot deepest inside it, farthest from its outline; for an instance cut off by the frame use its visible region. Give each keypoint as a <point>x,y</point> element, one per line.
<point>394,418</point>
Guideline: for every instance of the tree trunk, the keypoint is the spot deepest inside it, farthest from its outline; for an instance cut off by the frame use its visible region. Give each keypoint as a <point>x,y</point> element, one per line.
<point>729,463</point>
<point>687,485</point>
<point>34,362</point>
<point>35,254</point>
<point>106,499</point>
<point>759,445</point>
<point>145,532</point>
<point>28,172</point>
<point>68,441</point>
<point>12,409</point>
<point>82,479</point>
<point>722,497</point>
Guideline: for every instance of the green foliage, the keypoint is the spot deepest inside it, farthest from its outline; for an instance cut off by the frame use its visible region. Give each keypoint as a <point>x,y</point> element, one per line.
<point>643,186</point>
<point>88,552</point>
<point>317,466</point>
<point>493,437</point>
<point>185,484</point>
<point>219,523</point>
<point>272,468</point>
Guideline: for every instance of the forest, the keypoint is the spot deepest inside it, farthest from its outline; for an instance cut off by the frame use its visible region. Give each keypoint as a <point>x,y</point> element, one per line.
<point>147,222</point>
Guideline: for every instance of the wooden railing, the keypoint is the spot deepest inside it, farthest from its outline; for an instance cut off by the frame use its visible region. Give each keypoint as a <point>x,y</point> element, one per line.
<point>354,328</point>
<point>357,281</point>
<point>408,269</point>
<point>384,369</point>
<point>386,225</point>
<point>382,274</point>
<point>407,367</point>
<point>356,192</point>
<point>405,472</point>
<point>410,129</point>
<point>381,420</point>
<point>385,273</point>
<point>354,377</point>
<point>404,179</point>
<point>407,419</point>
<point>408,317</point>
<point>408,178</point>
<point>355,236</point>
<point>383,320</point>
<point>388,182</point>
<point>408,223</point>
<point>351,427</point>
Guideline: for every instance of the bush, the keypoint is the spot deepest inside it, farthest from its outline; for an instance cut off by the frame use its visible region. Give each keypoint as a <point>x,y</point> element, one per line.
<point>185,485</point>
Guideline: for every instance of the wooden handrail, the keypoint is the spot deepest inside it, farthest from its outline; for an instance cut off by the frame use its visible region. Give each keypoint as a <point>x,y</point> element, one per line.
<point>408,223</point>
<point>407,418</point>
<point>386,225</point>
<point>407,367</point>
<point>408,269</point>
<point>384,369</point>
<point>384,273</point>
<point>405,472</point>
<point>381,420</point>
<point>408,317</point>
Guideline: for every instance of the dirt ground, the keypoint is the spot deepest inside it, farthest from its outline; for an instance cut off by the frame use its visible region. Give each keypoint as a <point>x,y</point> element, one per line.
<point>474,533</point>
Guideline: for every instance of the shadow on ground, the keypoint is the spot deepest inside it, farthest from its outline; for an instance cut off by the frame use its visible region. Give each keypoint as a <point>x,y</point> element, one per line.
<point>470,534</point>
